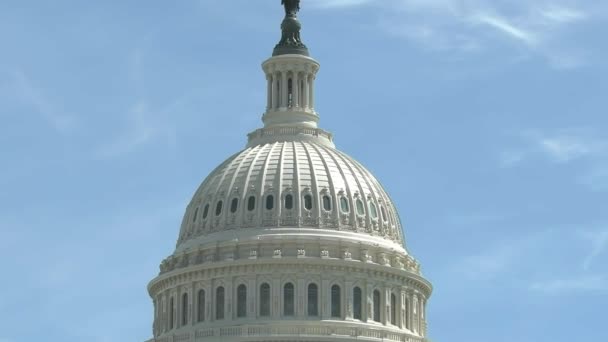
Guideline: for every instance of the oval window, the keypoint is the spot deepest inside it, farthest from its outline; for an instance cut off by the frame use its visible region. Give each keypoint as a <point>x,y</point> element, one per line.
<point>372,210</point>
<point>195,215</point>
<point>289,202</point>
<point>326,203</point>
<point>251,203</point>
<point>308,202</point>
<point>218,208</point>
<point>269,202</point>
<point>234,205</point>
<point>206,211</point>
<point>360,207</point>
<point>344,204</point>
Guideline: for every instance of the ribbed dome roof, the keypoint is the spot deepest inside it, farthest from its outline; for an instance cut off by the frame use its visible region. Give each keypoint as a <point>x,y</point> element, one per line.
<point>290,184</point>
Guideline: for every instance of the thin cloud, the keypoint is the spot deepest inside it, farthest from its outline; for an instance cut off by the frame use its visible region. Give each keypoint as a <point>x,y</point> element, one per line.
<point>564,149</point>
<point>563,14</point>
<point>143,128</point>
<point>558,148</point>
<point>35,98</point>
<point>592,283</point>
<point>599,245</point>
<point>462,25</point>
<point>505,27</point>
<point>337,3</point>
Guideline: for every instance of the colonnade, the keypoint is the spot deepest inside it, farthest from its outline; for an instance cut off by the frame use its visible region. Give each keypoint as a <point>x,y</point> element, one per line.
<point>290,90</point>
<point>356,301</point>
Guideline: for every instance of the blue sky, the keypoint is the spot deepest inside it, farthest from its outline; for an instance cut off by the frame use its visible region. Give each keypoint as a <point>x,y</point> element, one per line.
<point>485,119</point>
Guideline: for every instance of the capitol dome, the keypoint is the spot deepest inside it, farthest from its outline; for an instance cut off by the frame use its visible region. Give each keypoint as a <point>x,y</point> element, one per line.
<point>290,239</point>
<point>291,187</point>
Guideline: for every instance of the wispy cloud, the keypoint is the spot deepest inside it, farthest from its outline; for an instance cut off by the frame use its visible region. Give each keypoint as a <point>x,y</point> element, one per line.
<point>599,245</point>
<point>565,149</point>
<point>591,283</point>
<point>462,25</point>
<point>559,148</point>
<point>505,27</point>
<point>337,3</point>
<point>143,127</point>
<point>563,14</point>
<point>501,257</point>
<point>34,97</point>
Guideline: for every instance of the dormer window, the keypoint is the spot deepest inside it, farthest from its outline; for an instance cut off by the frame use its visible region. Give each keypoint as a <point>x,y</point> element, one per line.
<point>269,202</point>
<point>251,203</point>
<point>344,205</point>
<point>289,202</point>
<point>360,207</point>
<point>308,202</point>
<point>206,211</point>
<point>327,203</point>
<point>373,211</point>
<point>234,205</point>
<point>218,208</point>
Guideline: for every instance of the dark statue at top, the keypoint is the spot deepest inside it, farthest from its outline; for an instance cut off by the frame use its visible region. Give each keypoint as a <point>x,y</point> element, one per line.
<point>291,7</point>
<point>291,43</point>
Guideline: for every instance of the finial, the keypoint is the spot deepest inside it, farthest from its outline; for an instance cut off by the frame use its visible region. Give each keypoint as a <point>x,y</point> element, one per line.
<point>290,40</point>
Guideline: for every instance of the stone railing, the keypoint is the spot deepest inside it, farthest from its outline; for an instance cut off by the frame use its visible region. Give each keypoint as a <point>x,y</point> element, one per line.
<point>275,132</point>
<point>287,331</point>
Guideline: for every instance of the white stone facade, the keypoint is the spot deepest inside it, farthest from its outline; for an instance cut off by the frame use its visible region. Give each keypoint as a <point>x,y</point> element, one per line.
<point>290,240</point>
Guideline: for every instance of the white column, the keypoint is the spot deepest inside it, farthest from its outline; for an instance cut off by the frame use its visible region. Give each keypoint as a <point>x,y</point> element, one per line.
<point>305,102</point>
<point>269,92</point>
<point>410,311</point>
<point>387,306</point>
<point>275,91</point>
<point>348,291</point>
<point>312,92</point>
<point>284,86</point>
<point>295,84</point>
<point>251,297</point>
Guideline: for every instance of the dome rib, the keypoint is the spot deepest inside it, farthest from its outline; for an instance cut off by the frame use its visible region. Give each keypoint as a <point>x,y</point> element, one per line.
<point>298,169</point>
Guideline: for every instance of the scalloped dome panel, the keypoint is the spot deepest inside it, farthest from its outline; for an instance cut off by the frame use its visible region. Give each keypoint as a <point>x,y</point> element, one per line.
<point>291,184</point>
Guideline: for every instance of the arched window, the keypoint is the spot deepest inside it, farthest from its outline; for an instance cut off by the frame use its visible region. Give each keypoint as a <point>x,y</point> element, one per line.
<point>219,303</point>
<point>372,210</point>
<point>313,300</point>
<point>336,309</point>
<point>344,204</point>
<point>360,207</point>
<point>357,308</point>
<point>308,202</point>
<point>201,306</point>
<point>269,202</point>
<point>265,300</point>
<point>218,208</point>
<point>184,309</point>
<point>234,205</point>
<point>393,309</point>
<point>171,313</point>
<point>195,215</point>
<point>289,202</point>
<point>251,203</point>
<point>383,212</point>
<point>376,315</point>
<point>288,300</point>
<point>241,301</point>
<point>326,203</point>
<point>206,211</point>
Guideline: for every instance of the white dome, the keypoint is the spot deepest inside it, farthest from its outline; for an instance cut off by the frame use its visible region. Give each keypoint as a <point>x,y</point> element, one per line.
<point>290,239</point>
<point>290,184</point>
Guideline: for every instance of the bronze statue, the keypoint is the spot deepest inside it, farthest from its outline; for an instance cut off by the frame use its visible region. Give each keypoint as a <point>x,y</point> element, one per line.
<point>291,7</point>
